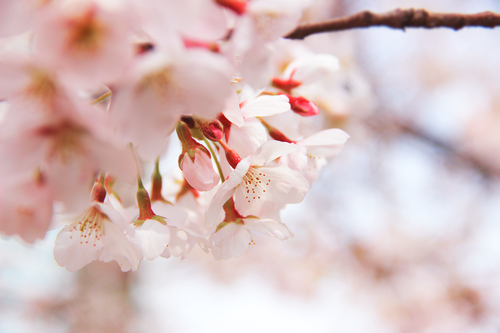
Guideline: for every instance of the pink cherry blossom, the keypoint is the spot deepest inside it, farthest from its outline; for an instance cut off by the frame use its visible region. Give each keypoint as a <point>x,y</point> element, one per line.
<point>88,39</point>
<point>160,87</point>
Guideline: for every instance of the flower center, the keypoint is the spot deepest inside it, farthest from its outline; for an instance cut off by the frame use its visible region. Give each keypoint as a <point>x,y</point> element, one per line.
<point>86,33</point>
<point>65,140</point>
<point>90,227</point>
<point>162,82</point>
<point>42,87</point>
<point>255,184</point>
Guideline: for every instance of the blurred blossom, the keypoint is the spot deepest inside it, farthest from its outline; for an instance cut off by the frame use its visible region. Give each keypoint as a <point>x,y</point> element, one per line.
<point>399,232</point>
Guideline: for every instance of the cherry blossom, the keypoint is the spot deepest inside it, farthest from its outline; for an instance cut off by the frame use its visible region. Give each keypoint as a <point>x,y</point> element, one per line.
<point>233,234</point>
<point>99,233</point>
<point>258,185</point>
<point>90,79</point>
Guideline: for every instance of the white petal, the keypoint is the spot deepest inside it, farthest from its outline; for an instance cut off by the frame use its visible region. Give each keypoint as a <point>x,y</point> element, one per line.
<point>332,136</point>
<point>152,237</point>
<point>268,227</point>
<point>265,105</point>
<point>225,192</point>
<point>230,242</point>
<point>72,251</point>
<point>270,151</point>
<point>248,138</point>
<point>232,109</point>
<point>310,68</point>
<point>288,186</point>
<point>118,247</point>
<point>178,242</point>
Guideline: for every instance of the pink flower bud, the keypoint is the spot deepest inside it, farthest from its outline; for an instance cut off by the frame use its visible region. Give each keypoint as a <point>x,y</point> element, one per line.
<point>213,130</point>
<point>303,106</point>
<point>231,155</point>
<point>286,84</point>
<point>237,6</point>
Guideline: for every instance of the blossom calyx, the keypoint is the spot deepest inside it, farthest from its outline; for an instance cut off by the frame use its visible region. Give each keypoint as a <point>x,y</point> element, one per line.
<point>231,215</point>
<point>189,145</point>
<point>145,210</point>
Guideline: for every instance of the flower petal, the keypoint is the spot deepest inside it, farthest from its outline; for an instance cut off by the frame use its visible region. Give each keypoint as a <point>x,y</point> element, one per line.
<point>268,227</point>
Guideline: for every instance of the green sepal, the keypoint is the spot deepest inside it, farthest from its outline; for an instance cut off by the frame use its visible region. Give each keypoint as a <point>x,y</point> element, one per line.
<point>221,225</point>
<point>160,219</point>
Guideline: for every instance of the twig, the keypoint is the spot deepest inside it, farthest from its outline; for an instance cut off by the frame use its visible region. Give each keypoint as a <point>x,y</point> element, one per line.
<point>399,19</point>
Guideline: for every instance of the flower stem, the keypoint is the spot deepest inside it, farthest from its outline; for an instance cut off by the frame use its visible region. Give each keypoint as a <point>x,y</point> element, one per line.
<point>219,169</point>
<point>101,98</point>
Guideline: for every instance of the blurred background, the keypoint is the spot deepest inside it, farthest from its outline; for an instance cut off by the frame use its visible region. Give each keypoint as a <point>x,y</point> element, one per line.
<point>401,233</point>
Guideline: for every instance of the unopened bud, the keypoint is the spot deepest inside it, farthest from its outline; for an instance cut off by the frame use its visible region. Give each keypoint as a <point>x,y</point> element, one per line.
<point>286,84</point>
<point>213,130</point>
<point>303,106</point>
<point>231,155</point>
<point>275,133</point>
<point>237,6</point>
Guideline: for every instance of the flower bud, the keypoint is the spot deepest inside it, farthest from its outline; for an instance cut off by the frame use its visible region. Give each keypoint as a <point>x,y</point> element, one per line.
<point>237,6</point>
<point>231,155</point>
<point>303,106</point>
<point>275,133</point>
<point>213,130</point>
<point>285,84</point>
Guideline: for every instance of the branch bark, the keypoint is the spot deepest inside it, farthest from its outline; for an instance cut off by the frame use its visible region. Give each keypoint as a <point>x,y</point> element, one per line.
<point>399,19</point>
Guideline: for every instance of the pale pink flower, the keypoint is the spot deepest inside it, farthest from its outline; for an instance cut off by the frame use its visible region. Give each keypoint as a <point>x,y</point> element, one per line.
<point>259,186</point>
<point>249,134</point>
<point>233,234</point>
<point>87,39</point>
<point>160,87</point>
<point>314,150</point>
<point>100,233</point>
<point>67,140</point>
<point>25,205</point>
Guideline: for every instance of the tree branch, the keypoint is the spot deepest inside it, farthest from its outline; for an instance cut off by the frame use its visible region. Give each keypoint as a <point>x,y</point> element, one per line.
<point>399,19</point>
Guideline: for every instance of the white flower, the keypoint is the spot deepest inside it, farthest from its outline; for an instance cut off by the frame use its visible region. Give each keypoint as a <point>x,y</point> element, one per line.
<point>258,185</point>
<point>313,151</point>
<point>100,233</point>
<point>233,235</point>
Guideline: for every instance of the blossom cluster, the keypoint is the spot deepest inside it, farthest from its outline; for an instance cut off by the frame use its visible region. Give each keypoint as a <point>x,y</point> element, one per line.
<point>94,89</point>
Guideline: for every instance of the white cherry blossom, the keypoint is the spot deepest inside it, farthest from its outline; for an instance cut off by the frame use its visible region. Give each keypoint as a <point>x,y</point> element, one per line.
<point>258,185</point>
<point>99,233</point>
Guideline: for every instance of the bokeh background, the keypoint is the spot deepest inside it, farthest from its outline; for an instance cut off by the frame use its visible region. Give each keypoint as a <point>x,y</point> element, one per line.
<point>400,234</point>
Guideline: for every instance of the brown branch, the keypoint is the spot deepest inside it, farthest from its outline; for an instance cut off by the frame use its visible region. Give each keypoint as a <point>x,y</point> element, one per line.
<point>399,19</point>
